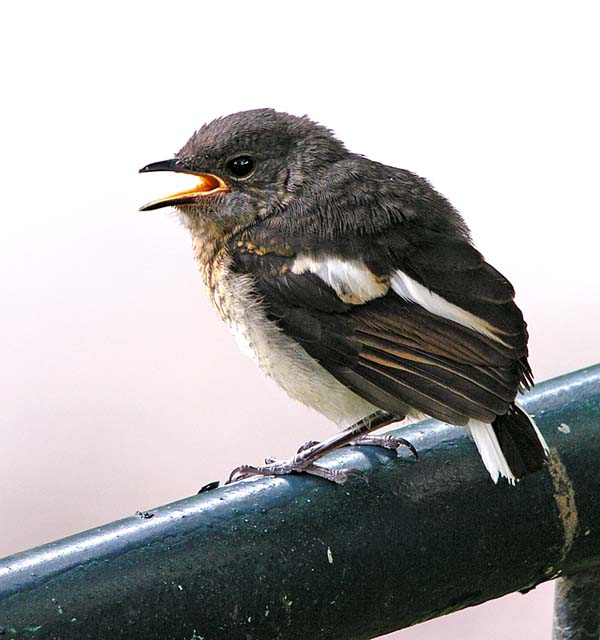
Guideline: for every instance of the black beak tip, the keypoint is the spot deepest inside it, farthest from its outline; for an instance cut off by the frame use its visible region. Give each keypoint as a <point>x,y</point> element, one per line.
<point>151,206</point>
<point>164,165</point>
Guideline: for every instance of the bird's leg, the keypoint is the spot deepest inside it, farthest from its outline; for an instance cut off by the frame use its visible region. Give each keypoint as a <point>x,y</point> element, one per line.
<point>307,445</point>
<point>305,458</point>
<point>385,440</point>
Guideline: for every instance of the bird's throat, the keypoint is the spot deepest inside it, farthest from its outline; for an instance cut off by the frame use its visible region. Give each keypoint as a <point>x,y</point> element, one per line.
<point>209,241</point>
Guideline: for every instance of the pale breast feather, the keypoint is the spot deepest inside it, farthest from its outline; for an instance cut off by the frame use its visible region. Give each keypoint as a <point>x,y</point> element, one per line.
<point>281,357</point>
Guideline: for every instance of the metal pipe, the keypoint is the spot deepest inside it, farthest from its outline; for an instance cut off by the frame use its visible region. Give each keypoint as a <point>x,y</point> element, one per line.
<point>577,606</point>
<point>299,557</point>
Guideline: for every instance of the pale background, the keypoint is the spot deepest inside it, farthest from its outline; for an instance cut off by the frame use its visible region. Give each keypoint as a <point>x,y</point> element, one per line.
<point>120,389</point>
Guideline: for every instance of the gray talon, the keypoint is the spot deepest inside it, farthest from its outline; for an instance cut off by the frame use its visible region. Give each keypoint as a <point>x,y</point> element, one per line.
<point>387,441</point>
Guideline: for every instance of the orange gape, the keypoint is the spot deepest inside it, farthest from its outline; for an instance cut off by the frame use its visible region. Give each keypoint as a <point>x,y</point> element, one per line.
<point>208,184</point>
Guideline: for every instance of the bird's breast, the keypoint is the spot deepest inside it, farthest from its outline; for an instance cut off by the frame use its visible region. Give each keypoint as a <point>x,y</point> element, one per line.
<point>277,354</point>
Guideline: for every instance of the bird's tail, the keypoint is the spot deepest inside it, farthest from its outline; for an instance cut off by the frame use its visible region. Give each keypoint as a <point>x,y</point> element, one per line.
<point>512,446</point>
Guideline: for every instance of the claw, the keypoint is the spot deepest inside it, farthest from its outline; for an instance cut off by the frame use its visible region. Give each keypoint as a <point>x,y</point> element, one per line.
<point>387,441</point>
<point>241,473</point>
<point>339,476</point>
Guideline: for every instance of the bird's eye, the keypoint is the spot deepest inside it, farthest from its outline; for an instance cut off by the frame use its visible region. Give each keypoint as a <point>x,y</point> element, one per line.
<point>240,166</point>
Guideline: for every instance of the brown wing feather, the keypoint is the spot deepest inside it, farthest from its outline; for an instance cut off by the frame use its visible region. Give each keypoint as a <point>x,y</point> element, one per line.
<point>393,352</point>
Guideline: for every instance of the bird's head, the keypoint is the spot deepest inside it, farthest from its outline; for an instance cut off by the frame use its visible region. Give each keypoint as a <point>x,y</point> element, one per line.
<point>247,165</point>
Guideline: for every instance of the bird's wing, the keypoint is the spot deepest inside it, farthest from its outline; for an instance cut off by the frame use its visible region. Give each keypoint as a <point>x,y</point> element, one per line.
<point>405,315</point>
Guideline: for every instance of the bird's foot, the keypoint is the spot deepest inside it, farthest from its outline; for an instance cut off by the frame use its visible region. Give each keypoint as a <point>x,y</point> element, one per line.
<point>385,440</point>
<point>311,452</point>
<point>273,467</point>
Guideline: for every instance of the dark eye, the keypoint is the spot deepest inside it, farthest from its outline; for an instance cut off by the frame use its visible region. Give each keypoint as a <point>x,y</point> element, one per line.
<point>240,167</point>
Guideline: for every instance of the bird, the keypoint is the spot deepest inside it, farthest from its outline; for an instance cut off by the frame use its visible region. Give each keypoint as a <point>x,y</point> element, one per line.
<point>356,286</point>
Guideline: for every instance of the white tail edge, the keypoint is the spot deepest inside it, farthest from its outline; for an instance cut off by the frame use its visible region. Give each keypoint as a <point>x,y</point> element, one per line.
<point>489,449</point>
<point>538,433</point>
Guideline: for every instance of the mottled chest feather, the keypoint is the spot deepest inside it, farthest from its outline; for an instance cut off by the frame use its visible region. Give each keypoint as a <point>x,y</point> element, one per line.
<point>242,307</point>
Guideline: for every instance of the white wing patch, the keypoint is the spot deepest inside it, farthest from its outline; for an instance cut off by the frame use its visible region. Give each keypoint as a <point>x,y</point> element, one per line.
<point>413,291</point>
<point>353,282</point>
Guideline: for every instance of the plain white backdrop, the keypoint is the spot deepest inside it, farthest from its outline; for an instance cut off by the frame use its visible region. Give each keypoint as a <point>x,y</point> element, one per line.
<point>119,387</point>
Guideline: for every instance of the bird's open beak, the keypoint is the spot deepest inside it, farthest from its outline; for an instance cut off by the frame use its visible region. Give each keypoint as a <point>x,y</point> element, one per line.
<point>208,184</point>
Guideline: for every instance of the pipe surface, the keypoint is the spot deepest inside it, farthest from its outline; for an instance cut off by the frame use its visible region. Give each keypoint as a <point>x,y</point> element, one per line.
<point>299,557</point>
<point>577,606</point>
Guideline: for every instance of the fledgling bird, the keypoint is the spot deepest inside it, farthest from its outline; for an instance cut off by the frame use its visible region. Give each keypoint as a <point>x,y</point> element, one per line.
<point>356,287</point>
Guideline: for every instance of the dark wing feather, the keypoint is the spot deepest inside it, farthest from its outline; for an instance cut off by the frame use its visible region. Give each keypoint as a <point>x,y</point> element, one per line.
<point>390,351</point>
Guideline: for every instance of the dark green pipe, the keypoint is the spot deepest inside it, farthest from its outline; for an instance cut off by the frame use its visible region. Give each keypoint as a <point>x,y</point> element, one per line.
<point>577,606</point>
<point>299,557</point>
